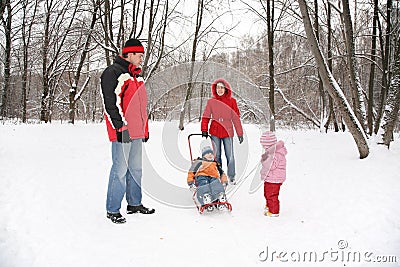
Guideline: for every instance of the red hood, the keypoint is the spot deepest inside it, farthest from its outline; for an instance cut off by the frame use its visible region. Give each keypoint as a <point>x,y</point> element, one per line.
<point>228,92</point>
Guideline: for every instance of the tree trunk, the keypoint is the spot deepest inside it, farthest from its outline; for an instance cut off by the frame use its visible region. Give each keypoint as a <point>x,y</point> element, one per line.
<point>3,5</point>
<point>385,65</point>
<point>26,40</point>
<point>149,36</point>
<point>356,88</point>
<point>50,55</point>
<point>271,67</point>
<point>121,28</point>
<point>108,35</point>
<point>200,8</point>
<point>332,86</point>
<point>161,45</point>
<point>332,114</point>
<point>320,83</point>
<point>44,114</point>
<point>7,61</point>
<point>77,75</point>
<point>202,93</point>
<point>135,8</point>
<point>372,71</point>
<point>393,101</point>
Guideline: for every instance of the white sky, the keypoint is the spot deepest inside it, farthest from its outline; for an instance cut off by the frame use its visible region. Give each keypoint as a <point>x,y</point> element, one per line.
<point>227,15</point>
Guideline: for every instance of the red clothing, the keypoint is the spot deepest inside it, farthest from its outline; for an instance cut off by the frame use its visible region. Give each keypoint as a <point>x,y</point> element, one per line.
<point>125,100</point>
<point>223,112</point>
<point>136,112</point>
<point>271,194</point>
<point>274,163</point>
<point>273,172</point>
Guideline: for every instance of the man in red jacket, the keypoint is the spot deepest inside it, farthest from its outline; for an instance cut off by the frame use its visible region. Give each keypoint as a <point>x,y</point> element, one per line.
<point>224,113</point>
<point>125,100</point>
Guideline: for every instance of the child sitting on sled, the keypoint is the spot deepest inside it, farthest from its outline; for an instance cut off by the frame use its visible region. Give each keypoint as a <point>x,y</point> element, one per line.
<point>207,178</point>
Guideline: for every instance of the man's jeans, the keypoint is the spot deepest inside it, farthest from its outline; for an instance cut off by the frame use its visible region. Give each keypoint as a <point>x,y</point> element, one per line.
<point>228,147</point>
<point>125,175</point>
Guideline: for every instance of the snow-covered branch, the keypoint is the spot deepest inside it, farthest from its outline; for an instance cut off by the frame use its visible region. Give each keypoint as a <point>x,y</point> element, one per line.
<point>296,108</point>
<point>78,95</point>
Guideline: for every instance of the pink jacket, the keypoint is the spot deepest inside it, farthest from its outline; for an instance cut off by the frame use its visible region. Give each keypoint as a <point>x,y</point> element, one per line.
<point>274,164</point>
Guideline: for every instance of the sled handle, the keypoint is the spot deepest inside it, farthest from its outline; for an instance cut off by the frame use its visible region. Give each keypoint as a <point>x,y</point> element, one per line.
<point>190,147</point>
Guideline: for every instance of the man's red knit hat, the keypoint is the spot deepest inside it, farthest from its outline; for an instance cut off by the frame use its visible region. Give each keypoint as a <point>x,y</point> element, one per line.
<point>133,46</point>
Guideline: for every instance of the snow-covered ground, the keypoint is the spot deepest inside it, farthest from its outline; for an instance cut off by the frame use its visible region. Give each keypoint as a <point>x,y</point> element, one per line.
<point>335,208</point>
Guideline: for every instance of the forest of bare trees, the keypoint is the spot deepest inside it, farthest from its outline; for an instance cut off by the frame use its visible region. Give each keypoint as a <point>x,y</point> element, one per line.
<point>334,65</point>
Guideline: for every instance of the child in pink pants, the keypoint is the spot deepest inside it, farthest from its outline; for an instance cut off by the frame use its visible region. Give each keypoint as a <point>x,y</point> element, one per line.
<point>273,171</point>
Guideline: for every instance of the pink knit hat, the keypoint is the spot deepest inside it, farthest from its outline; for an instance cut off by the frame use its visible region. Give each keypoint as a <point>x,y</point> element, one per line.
<point>268,139</point>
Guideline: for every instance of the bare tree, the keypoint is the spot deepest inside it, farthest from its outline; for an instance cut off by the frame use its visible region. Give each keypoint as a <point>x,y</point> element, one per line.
<point>160,51</point>
<point>393,100</point>
<point>372,70</point>
<point>136,30</point>
<point>298,109</point>
<point>5,7</point>
<point>199,18</point>
<point>270,31</point>
<point>106,15</point>
<point>332,86</point>
<point>320,83</point>
<point>114,31</point>
<point>385,51</point>
<point>67,61</point>
<point>73,96</point>
<point>154,7</point>
<point>331,114</point>
<point>28,20</point>
<point>53,43</point>
<point>268,7</point>
<point>357,91</point>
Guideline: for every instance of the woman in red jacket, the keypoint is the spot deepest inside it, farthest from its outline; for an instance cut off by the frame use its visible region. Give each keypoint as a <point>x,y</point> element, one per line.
<point>224,113</point>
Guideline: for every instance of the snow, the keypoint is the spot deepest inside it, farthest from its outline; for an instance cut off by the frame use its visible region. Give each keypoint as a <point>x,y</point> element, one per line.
<point>53,189</point>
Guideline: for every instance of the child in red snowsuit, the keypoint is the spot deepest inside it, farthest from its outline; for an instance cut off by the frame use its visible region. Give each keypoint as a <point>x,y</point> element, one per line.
<point>273,171</point>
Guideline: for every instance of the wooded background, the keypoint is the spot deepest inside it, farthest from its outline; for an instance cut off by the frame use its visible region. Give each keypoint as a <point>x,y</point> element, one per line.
<point>326,64</point>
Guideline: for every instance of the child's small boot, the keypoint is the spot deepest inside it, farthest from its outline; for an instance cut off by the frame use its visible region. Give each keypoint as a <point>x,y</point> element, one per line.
<point>266,210</point>
<point>270,214</point>
<point>222,198</point>
<point>207,200</point>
